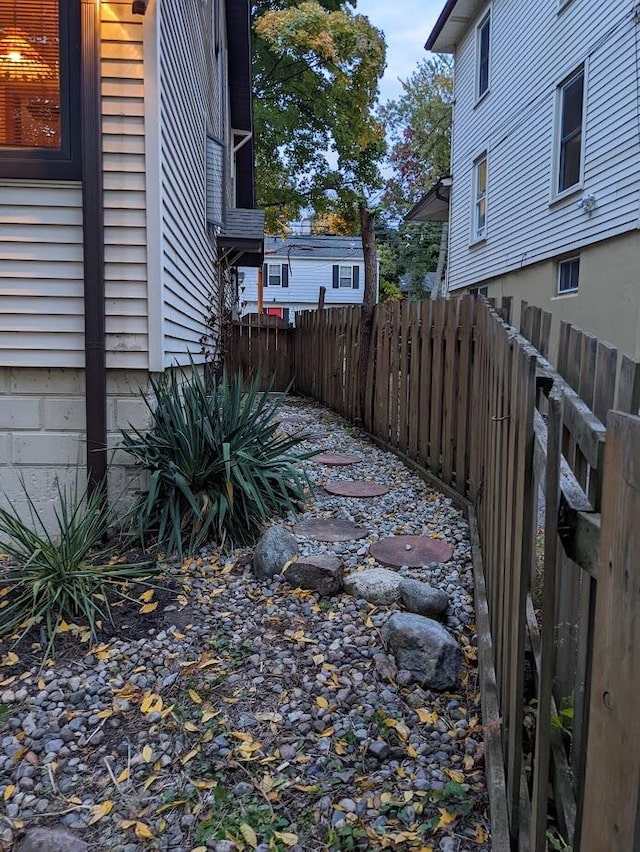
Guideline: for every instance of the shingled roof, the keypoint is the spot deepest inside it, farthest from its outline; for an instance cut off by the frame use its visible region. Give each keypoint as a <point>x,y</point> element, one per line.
<point>310,246</point>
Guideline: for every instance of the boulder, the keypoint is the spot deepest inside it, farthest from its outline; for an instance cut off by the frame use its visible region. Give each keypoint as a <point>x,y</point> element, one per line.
<point>422,598</point>
<point>423,647</point>
<point>321,573</point>
<point>376,585</point>
<point>51,840</point>
<point>275,548</point>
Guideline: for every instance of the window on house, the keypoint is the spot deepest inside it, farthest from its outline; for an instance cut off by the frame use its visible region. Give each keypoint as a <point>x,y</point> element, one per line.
<point>276,275</point>
<point>479,225</point>
<point>570,131</point>
<point>39,88</point>
<point>568,275</point>
<point>215,181</point>
<point>346,276</point>
<point>483,49</point>
<point>479,291</point>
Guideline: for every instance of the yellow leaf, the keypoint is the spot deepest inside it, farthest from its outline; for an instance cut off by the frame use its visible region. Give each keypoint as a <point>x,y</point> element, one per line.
<point>147,753</point>
<point>425,717</point>
<point>458,777</point>
<point>199,849</point>
<point>468,762</point>
<point>104,714</point>
<point>63,627</point>
<point>101,810</point>
<point>249,835</point>
<point>446,818</point>
<point>10,659</point>
<point>143,832</point>
<point>145,609</point>
<point>146,702</point>
<point>182,600</point>
<point>8,793</point>
<point>482,835</point>
<point>177,635</point>
<point>242,735</point>
<point>286,837</point>
<point>326,733</point>
<point>340,747</point>
<point>193,695</point>
<point>322,702</point>
<point>207,715</point>
<point>189,726</point>
<point>411,751</point>
<point>190,755</point>
<point>4,591</point>
<point>203,785</point>
<point>146,596</point>
<point>124,775</point>
<point>149,782</point>
<point>175,804</point>
<point>208,736</point>
<point>127,823</point>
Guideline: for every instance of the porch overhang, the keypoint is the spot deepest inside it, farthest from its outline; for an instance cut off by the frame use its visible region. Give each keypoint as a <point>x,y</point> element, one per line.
<point>456,17</point>
<point>241,240</point>
<point>434,206</point>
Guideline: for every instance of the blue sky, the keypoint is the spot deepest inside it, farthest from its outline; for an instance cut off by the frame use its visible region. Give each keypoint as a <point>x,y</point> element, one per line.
<point>406,25</point>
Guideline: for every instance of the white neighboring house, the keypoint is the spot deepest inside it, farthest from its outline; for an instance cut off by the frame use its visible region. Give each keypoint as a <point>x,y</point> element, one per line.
<point>295,269</point>
<point>545,199</point>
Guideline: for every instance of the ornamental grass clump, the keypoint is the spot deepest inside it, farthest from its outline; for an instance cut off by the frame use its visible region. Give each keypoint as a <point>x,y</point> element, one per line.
<point>218,468</point>
<point>63,570</point>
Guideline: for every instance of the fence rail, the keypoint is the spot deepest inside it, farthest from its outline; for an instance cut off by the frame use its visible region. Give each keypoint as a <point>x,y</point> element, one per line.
<point>455,389</point>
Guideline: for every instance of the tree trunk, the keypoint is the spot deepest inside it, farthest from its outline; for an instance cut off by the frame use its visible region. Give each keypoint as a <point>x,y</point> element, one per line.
<point>438,287</point>
<point>370,280</point>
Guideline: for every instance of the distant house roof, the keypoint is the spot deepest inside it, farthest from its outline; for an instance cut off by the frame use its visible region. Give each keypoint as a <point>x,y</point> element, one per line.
<point>309,246</point>
<point>452,24</point>
<point>434,206</point>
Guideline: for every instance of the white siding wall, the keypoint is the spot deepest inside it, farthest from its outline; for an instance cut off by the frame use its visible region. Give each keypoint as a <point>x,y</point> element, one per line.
<point>187,111</point>
<point>305,279</point>
<point>124,185</point>
<point>41,274</point>
<point>533,48</point>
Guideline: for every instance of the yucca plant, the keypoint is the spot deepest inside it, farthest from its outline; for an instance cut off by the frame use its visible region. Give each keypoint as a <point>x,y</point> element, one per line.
<point>62,573</point>
<point>218,469</point>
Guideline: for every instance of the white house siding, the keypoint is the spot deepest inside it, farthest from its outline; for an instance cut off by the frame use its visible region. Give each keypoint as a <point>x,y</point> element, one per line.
<point>186,113</point>
<point>306,276</point>
<point>124,185</point>
<point>534,47</point>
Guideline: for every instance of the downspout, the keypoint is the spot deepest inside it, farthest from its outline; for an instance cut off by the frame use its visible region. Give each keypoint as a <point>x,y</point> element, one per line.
<point>93,242</point>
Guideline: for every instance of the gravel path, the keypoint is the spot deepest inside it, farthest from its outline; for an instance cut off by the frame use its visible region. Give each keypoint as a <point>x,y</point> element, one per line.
<point>256,715</point>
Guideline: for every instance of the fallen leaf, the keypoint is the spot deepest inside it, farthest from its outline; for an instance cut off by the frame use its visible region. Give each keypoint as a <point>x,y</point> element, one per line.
<point>482,835</point>
<point>203,785</point>
<point>99,811</point>
<point>286,837</point>
<point>249,835</point>
<point>322,702</point>
<point>193,695</point>
<point>426,717</point>
<point>10,659</point>
<point>147,753</point>
<point>207,715</point>
<point>124,775</point>
<point>446,818</point>
<point>468,762</point>
<point>458,777</point>
<point>8,793</point>
<point>104,714</point>
<point>340,747</point>
<point>149,782</point>
<point>146,596</point>
<point>190,755</point>
<point>189,726</point>
<point>146,609</point>
<point>143,832</point>
<point>326,733</point>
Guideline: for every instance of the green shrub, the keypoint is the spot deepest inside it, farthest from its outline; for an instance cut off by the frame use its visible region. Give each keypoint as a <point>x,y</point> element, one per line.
<point>71,574</point>
<point>217,466</point>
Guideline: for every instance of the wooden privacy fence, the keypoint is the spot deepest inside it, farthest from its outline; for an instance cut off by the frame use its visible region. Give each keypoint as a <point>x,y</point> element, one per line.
<point>454,389</point>
<point>260,348</point>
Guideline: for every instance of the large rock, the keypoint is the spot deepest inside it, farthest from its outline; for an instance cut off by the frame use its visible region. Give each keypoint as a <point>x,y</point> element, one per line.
<point>425,648</point>
<point>321,573</point>
<point>275,548</point>
<point>422,598</point>
<point>376,585</point>
<point>51,840</point>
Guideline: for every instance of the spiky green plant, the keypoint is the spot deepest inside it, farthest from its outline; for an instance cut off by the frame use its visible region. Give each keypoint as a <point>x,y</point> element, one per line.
<point>218,468</point>
<point>62,573</point>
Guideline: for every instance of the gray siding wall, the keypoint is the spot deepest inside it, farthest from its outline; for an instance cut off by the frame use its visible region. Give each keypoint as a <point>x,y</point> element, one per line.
<point>188,110</point>
<point>534,47</point>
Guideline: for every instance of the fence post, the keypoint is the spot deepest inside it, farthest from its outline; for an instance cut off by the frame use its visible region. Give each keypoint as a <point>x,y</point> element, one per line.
<point>610,815</point>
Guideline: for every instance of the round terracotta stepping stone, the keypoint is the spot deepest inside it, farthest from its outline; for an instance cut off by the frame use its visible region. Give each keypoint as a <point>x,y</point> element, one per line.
<point>355,488</point>
<point>335,459</point>
<point>410,550</point>
<point>329,529</point>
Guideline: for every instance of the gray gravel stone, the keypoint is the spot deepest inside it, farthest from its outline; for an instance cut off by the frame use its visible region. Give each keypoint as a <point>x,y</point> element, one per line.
<point>424,648</point>
<point>376,585</point>
<point>321,573</point>
<point>51,840</point>
<point>422,598</point>
<point>275,548</point>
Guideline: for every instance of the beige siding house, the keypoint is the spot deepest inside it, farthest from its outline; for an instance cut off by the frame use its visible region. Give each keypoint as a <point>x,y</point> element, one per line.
<point>126,163</point>
<point>545,194</point>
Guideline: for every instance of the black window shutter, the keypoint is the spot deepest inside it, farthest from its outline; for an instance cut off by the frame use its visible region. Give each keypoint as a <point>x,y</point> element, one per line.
<point>265,275</point>
<point>336,276</point>
<point>285,275</point>
<point>356,277</point>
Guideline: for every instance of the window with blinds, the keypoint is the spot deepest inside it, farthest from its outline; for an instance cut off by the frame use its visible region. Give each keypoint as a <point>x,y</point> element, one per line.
<point>30,80</point>
<point>40,82</point>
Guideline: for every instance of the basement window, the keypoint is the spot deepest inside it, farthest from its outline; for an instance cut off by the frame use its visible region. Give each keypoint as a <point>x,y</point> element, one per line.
<point>568,275</point>
<point>39,89</point>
